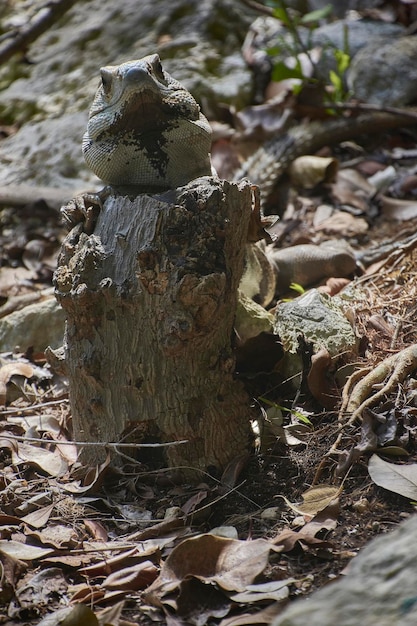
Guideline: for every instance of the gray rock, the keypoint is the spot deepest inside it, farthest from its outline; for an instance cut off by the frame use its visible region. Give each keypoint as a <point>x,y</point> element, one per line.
<point>385,73</point>
<point>319,319</point>
<point>37,325</point>
<point>357,33</point>
<point>349,35</point>
<point>378,590</point>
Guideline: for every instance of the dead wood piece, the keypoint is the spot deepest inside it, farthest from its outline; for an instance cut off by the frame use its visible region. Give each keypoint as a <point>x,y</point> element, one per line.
<point>150,299</point>
<point>22,195</point>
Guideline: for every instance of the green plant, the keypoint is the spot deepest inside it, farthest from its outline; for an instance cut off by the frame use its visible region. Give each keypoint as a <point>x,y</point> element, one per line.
<point>335,88</point>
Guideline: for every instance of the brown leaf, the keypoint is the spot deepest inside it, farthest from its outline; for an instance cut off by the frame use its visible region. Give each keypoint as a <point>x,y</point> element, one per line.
<point>132,578</point>
<point>315,499</point>
<point>198,603</point>
<point>9,520</point>
<point>274,590</point>
<point>308,171</point>
<point>9,370</point>
<point>400,479</point>
<point>233,469</point>
<point>191,504</point>
<point>40,517</point>
<point>266,616</point>
<point>401,210</point>
<point>96,529</point>
<point>120,561</point>
<point>87,595</point>
<point>58,536</point>
<point>289,538</point>
<point>77,615</point>
<point>49,462</point>
<point>93,479</point>
<point>230,563</point>
<point>23,551</point>
<point>325,519</point>
<point>11,570</point>
<point>333,286</point>
<point>343,223</point>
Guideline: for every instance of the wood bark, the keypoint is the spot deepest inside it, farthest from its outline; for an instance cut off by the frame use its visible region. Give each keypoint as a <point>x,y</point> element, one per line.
<point>150,299</point>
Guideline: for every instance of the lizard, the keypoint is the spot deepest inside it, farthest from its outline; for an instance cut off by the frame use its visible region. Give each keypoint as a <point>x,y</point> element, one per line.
<point>145,129</point>
<point>145,133</point>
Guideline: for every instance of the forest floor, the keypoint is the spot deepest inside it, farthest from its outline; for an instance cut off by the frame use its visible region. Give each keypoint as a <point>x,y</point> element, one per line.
<point>133,545</point>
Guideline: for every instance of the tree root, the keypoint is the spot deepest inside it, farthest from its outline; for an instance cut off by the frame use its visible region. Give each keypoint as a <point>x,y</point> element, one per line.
<point>395,368</point>
<point>359,394</point>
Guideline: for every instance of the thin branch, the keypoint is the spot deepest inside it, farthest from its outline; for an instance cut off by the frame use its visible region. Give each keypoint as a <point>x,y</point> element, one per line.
<point>257,6</point>
<point>365,106</point>
<point>27,34</point>
<point>93,444</point>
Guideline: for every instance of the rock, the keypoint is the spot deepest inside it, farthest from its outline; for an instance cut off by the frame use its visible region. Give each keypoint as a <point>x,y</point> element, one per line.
<point>268,33</point>
<point>38,325</point>
<point>251,319</point>
<point>316,317</point>
<point>357,34</point>
<point>385,73</point>
<point>379,588</point>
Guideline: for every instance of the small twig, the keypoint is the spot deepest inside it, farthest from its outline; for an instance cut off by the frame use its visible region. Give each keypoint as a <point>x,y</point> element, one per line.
<point>257,6</point>
<point>93,444</point>
<point>365,106</point>
<point>24,36</point>
<point>40,405</point>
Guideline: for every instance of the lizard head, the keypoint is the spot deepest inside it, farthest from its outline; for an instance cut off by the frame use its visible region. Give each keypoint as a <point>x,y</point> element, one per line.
<point>141,125</point>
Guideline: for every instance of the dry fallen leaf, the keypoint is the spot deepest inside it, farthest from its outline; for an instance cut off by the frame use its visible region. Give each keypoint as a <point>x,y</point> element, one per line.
<point>23,551</point>
<point>230,563</point>
<point>315,499</point>
<point>265,616</point>
<point>274,590</point>
<point>132,578</point>
<point>76,615</point>
<point>308,171</point>
<point>400,479</point>
<point>9,370</point>
<point>50,462</point>
<point>395,209</point>
<point>39,517</point>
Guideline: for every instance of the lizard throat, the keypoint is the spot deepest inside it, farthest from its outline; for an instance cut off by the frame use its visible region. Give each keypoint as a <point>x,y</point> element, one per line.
<point>141,113</point>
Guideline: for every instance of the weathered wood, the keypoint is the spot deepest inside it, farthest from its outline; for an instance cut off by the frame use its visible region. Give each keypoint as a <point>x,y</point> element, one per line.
<point>150,299</point>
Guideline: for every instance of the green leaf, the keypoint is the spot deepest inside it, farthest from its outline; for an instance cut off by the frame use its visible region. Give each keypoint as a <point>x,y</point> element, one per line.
<point>342,60</point>
<point>315,16</point>
<point>298,288</point>
<point>336,81</point>
<point>281,71</point>
<point>300,416</point>
<point>282,15</point>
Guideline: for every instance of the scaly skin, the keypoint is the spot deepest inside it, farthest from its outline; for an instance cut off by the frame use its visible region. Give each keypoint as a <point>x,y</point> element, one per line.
<point>145,129</point>
<point>267,165</point>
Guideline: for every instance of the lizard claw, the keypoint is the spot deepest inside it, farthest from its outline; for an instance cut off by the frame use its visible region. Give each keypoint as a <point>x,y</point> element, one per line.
<point>85,209</point>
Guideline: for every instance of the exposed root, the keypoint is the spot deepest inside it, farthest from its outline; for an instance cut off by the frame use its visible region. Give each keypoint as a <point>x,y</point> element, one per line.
<point>394,370</point>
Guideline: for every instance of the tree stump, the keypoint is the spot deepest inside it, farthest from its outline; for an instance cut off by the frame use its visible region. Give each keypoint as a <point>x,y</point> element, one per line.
<point>150,299</point>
